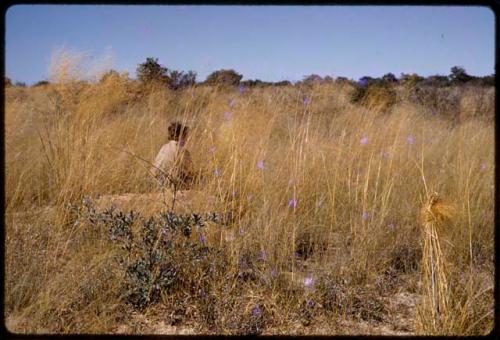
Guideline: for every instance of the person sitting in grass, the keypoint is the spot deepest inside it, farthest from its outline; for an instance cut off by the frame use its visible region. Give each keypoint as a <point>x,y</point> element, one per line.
<point>173,165</point>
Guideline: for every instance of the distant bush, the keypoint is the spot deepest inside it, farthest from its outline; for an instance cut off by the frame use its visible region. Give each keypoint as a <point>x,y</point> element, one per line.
<point>282,83</point>
<point>389,78</point>
<point>20,84</point>
<point>488,80</point>
<point>458,75</point>
<point>374,93</point>
<point>180,80</point>
<point>7,82</point>
<point>358,94</point>
<point>410,80</point>
<point>41,83</point>
<point>436,81</point>
<point>152,72</point>
<point>328,80</point>
<point>224,78</point>
<point>342,80</point>
<point>312,79</point>
<point>482,81</point>
<point>108,75</point>
<point>444,101</point>
<point>260,83</point>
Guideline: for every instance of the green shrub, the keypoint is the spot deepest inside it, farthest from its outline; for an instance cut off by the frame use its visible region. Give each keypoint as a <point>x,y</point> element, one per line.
<point>160,257</point>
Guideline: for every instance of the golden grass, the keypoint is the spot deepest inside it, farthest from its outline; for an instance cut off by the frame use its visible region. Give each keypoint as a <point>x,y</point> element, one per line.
<point>358,200</point>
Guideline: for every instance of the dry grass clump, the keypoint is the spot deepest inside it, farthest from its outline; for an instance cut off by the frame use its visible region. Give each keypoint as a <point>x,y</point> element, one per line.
<point>447,304</point>
<point>318,188</point>
<point>435,216</point>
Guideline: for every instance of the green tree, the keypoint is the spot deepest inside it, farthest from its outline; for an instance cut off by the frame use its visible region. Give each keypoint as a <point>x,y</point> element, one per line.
<point>459,75</point>
<point>152,72</point>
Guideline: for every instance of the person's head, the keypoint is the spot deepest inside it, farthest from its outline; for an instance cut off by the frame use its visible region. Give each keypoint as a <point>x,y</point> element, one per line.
<point>177,132</point>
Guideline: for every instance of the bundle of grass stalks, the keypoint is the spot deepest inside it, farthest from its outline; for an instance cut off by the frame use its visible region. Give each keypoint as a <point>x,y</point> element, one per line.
<point>434,310</point>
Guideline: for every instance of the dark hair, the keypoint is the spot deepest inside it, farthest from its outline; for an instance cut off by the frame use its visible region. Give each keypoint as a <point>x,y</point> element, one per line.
<point>177,130</point>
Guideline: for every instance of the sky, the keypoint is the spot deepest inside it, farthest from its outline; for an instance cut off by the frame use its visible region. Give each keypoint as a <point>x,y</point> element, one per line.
<point>270,43</point>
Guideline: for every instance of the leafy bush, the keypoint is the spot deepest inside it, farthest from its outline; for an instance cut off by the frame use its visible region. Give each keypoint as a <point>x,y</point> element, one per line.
<point>443,101</point>
<point>224,78</point>
<point>161,257</point>
<point>373,92</point>
<point>7,81</point>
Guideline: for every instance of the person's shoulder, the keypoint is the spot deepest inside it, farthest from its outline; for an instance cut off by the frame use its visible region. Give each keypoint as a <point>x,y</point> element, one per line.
<point>170,145</point>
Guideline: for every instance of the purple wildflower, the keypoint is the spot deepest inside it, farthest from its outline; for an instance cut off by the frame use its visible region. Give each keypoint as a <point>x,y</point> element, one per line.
<point>242,232</point>
<point>365,215</point>
<point>484,166</point>
<point>262,255</point>
<point>308,282</point>
<point>410,140</point>
<point>296,254</point>
<point>274,273</point>
<point>364,140</point>
<point>234,194</point>
<point>391,226</point>
<point>319,202</point>
<point>242,89</point>
<point>249,197</point>
<point>212,149</point>
<point>256,311</point>
<point>260,165</point>
<point>292,203</point>
<point>363,82</point>
<point>202,239</point>
<point>216,172</point>
<point>310,303</point>
<point>227,115</point>
<point>384,154</point>
<point>232,103</point>
<point>307,101</point>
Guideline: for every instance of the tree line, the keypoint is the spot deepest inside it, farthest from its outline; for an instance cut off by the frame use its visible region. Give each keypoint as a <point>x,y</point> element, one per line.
<point>152,72</point>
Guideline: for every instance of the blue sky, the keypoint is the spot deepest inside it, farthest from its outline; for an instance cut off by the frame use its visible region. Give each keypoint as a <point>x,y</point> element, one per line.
<point>266,42</point>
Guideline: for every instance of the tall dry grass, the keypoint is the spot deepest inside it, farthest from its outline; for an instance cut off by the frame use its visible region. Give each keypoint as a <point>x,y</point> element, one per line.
<point>343,179</point>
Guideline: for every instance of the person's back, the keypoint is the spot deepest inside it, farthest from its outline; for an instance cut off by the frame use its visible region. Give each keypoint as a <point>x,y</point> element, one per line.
<point>173,165</point>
